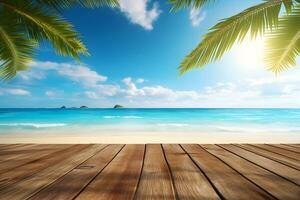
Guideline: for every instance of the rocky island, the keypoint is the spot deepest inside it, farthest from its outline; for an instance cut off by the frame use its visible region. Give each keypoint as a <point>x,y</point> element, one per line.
<point>118,106</point>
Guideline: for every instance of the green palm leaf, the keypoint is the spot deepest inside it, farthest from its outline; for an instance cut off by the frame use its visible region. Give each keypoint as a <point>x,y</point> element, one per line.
<point>34,21</point>
<point>62,4</point>
<point>196,4</point>
<point>222,36</point>
<point>41,25</point>
<point>16,51</point>
<point>283,44</point>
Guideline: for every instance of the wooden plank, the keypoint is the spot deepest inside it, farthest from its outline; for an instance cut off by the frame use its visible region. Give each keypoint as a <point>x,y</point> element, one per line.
<point>296,146</point>
<point>273,156</point>
<point>9,153</point>
<point>280,151</point>
<point>156,180</point>
<point>120,178</point>
<point>3,145</point>
<point>189,181</point>
<point>273,184</point>
<point>28,150</point>
<point>289,173</point>
<point>229,183</point>
<point>290,148</point>
<point>24,171</point>
<point>70,185</point>
<point>14,161</point>
<point>15,149</point>
<point>29,186</point>
<point>11,146</point>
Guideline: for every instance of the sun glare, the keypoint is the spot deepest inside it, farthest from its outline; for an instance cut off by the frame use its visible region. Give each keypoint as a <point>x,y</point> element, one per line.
<point>249,53</point>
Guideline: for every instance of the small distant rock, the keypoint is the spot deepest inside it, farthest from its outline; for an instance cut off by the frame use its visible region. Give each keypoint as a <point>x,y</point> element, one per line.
<point>118,106</point>
<point>63,107</point>
<point>83,107</point>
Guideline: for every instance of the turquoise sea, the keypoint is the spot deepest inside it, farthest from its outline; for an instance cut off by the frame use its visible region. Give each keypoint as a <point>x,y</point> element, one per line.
<point>171,120</point>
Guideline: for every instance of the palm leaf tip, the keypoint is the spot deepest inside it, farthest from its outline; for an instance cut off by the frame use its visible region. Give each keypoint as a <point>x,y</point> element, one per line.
<point>31,22</point>
<point>283,44</point>
<point>255,20</point>
<point>63,4</point>
<point>42,25</point>
<point>16,51</point>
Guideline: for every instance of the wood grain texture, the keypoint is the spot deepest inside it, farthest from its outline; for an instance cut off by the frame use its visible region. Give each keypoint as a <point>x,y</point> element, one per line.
<point>227,181</point>
<point>120,178</point>
<point>24,171</point>
<point>289,173</point>
<point>30,153</point>
<point>190,182</point>
<point>155,181</point>
<point>25,188</point>
<point>295,146</point>
<point>288,147</point>
<point>271,155</point>
<point>153,171</point>
<point>70,185</point>
<point>270,182</point>
<point>6,154</point>
<point>278,149</point>
<point>11,146</point>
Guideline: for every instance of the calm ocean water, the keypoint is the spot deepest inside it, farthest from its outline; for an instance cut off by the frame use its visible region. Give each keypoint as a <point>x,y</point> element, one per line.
<point>225,120</point>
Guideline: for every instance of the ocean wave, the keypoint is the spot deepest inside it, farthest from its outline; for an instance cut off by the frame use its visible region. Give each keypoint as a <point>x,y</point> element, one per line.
<point>124,117</point>
<point>173,124</point>
<point>239,129</point>
<point>34,125</point>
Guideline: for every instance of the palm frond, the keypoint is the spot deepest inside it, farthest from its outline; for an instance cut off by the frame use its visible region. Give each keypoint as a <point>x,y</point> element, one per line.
<point>222,36</point>
<point>62,4</point>
<point>283,44</point>
<point>16,51</point>
<point>288,5</point>
<point>182,4</point>
<point>41,25</point>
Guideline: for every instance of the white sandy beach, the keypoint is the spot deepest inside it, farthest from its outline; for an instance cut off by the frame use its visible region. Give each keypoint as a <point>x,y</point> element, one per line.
<point>148,137</point>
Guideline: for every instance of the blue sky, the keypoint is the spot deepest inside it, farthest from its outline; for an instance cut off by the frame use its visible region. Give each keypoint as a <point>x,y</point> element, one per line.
<point>135,51</point>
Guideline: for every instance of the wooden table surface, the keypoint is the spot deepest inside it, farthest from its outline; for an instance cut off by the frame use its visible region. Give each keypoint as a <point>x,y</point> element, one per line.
<point>151,171</point>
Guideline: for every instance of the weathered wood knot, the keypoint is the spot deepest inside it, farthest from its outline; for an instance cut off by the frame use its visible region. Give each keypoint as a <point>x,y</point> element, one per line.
<point>85,167</point>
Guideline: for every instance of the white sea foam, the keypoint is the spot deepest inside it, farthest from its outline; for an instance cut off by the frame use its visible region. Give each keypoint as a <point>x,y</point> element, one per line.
<point>240,129</point>
<point>124,117</point>
<point>173,124</point>
<point>35,125</point>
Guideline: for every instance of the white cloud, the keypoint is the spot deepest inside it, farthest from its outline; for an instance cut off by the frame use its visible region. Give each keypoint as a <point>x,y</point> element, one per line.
<point>137,12</point>
<point>163,92</point>
<point>261,91</point>
<point>197,16</point>
<point>154,91</point>
<point>140,80</point>
<point>91,95</point>
<point>78,73</point>
<point>81,74</point>
<point>31,74</point>
<point>131,88</point>
<point>15,91</point>
<point>281,79</point>
<point>283,92</point>
<point>107,89</point>
<point>50,93</point>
